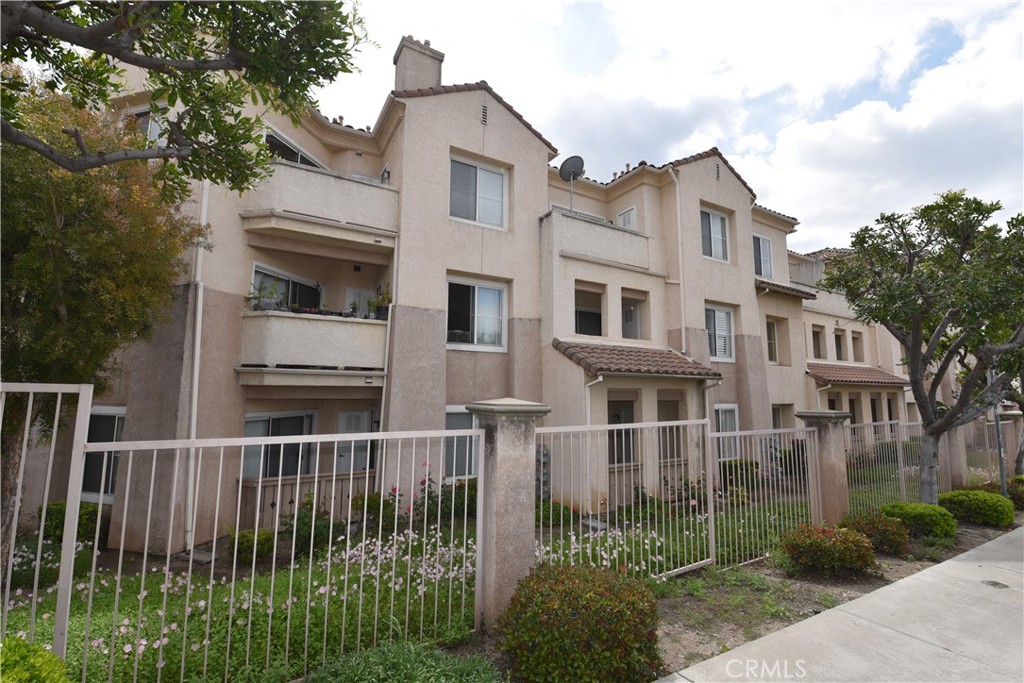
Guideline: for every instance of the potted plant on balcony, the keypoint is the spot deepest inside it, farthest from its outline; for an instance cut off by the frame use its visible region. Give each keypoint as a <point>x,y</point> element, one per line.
<point>353,310</point>
<point>263,298</point>
<point>383,304</point>
<point>371,308</point>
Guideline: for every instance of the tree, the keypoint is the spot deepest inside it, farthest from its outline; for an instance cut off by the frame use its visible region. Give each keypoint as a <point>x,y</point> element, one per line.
<point>89,262</point>
<point>950,289</point>
<point>204,63</point>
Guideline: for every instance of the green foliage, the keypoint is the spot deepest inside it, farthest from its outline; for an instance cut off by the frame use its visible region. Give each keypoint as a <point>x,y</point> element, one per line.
<point>249,541</point>
<point>793,460</point>
<point>552,513</point>
<point>1014,489</point>
<point>53,530</point>
<point>923,519</point>
<point>447,503</point>
<point>828,551</point>
<point>979,507</point>
<point>888,535</point>
<point>406,663</point>
<point>25,662</point>
<point>379,513</point>
<point>573,623</point>
<point>307,526</point>
<point>745,473</point>
<point>208,66</point>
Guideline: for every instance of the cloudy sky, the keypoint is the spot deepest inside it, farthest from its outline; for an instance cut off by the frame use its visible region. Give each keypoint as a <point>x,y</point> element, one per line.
<point>832,111</point>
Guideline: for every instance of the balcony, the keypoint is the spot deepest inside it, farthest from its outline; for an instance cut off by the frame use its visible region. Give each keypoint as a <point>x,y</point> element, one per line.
<point>282,348</point>
<point>583,237</point>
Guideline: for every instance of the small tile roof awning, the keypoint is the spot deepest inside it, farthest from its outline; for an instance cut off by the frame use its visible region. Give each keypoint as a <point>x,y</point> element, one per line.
<point>614,359</point>
<point>783,289</point>
<point>834,373</point>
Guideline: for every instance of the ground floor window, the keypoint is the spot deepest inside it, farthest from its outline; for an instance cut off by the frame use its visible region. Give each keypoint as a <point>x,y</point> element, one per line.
<point>358,455</point>
<point>99,479</point>
<point>273,460</point>
<point>459,451</point>
<point>727,420</point>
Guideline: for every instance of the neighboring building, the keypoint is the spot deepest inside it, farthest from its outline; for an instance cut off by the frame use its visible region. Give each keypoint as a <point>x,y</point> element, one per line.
<point>665,294</point>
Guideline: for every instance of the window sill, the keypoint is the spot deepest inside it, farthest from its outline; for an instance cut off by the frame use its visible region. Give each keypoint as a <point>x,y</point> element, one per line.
<point>718,359</point>
<point>489,226</point>
<point>715,259</point>
<point>483,348</point>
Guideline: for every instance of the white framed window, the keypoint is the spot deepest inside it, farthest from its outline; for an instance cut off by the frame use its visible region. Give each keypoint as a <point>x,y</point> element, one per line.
<point>288,151</point>
<point>459,451</point>
<point>278,459</point>
<point>477,315</point>
<point>771,337</point>
<point>762,256</point>
<point>627,219</point>
<point>714,235</point>
<point>477,193</point>
<point>727,420</point>
<point>277,289</point>
<point>106,423</point>
<point>718,321</point>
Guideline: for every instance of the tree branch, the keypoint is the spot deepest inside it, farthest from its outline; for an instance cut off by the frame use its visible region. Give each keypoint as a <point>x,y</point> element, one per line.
<point>85,162</point>
<point>947,361</point>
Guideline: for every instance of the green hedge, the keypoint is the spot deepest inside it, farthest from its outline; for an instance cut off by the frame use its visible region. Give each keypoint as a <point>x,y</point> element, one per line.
<point>923,519</point>
<point>827,550</point>
<point>56,510</point>
<point>888,535</point>
<point>979,507</point>
<point>25,662</point>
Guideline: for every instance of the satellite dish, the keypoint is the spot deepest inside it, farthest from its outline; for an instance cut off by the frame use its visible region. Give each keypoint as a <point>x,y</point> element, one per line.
<point>570,170</point>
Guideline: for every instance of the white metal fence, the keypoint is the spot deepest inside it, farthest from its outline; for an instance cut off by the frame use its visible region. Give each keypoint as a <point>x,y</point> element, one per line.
<point>658,499</point>
<point>336,543</point>
<point>982,451</point>
<point>882,464</point>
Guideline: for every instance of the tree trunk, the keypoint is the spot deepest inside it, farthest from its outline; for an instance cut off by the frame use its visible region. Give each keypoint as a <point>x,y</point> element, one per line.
<point>929,467</point>
<point>1018,463</point>
<point>10,464</point>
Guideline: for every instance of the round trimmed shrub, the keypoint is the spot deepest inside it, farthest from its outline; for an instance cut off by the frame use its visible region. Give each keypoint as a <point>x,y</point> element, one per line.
<point>572,623</point>
<point>25,662</point>
<point>1014,489</point>
<point>923,519</point>
<point>979,507</point>
<point>828,550</point>
<point>888,535</point>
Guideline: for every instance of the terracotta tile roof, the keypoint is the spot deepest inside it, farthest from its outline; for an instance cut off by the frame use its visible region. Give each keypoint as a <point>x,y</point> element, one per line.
<point>829,253</point>
<point>470,87</point>
<point>835,373</point>
<point>783,289</point>
<point>613,359</point>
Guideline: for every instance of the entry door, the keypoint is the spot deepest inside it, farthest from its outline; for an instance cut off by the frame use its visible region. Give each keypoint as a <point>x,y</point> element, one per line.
<point>620,441</point>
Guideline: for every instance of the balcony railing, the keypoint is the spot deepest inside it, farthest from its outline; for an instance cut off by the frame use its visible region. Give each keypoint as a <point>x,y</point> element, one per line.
<point>299,340</point>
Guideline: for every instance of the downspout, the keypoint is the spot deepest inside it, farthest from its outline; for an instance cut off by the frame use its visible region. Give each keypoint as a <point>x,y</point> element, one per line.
<point>197,335</point>
<point>586,387</point>
<point>679,256</point>
<point>385,387</point>
<point>818,393</point>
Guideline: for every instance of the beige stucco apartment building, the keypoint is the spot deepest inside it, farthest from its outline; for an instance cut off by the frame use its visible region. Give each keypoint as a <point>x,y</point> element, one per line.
<point>664,294</point>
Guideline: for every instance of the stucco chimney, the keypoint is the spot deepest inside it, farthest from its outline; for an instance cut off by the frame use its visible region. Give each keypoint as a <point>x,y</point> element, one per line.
<point>417,65</point>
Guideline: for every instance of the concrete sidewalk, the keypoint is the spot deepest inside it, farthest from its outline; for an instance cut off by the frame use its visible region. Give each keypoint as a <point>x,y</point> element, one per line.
<point>961,620</point>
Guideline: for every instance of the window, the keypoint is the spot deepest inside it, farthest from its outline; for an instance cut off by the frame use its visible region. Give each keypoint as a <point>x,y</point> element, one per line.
<point>818,341</point>
<point>634,315</point>
<point>280,290</point>
<point>771,335</point>
<point>147,126</point>
<point>477,194</point>
<point>857,341</point>
<point>718,322</point>
<point>840,339</point>
<point>278,459</point>
<point>762,256</point>
<point>105,424</point>
<point>283,150</point>
<point>714,235</point>
<point>627,219</point>
<point>459,451</point>
<point>727,420</point>
<point>620,440</point>
<point>588,309</point>
<point>476,315</point>
<point>776,417</point>
<point>359,455</point>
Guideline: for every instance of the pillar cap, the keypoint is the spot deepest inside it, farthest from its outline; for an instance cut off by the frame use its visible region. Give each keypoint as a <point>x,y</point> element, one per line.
<point>508,406</point>
<point>810,416</point>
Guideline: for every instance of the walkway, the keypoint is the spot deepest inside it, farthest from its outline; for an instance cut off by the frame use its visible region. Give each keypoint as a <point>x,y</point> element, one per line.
<point>960,620</point>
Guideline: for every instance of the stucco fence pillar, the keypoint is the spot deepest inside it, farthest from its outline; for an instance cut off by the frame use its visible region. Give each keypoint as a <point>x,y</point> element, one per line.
<point>826,470</point>
<point>1013,426</point>
<point>506,505</point>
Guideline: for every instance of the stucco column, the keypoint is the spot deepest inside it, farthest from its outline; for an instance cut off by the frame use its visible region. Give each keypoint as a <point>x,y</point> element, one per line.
<point>506,491</point>
<point>953,470</point>
<point>826,473</point>
<point>1011,437</point>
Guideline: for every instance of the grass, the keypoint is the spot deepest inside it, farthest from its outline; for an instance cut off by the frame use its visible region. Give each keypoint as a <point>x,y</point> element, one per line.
<point>406,663</point>
<point>734,595</point>
<point>165,623</point>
